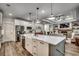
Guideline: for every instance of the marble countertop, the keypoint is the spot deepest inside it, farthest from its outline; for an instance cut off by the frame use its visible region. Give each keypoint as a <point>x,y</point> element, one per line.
<point>50,39</point>
<point>54,40</point>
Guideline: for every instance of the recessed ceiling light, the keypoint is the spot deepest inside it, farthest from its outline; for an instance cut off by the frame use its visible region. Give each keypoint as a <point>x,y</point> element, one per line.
<point>43,11</point>
<point>10,14</point>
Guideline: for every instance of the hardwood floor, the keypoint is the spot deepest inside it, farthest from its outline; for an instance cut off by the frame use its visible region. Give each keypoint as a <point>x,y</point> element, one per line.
<point>16,49</point>
<point>13,49</point>
<point>71,50</point>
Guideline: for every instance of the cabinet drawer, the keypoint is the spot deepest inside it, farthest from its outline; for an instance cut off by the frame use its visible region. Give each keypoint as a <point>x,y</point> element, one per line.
<point>34,40</point>
<point>34,54</point>
<point>34,48</point>
<point>43,43</point>
<point>34,51</point>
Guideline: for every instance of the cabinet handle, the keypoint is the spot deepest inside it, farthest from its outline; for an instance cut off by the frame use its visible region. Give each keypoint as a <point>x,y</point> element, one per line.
<point>60,51</point>
<point>34,46</point>
<point>41,42</point>
<point>34,53</point>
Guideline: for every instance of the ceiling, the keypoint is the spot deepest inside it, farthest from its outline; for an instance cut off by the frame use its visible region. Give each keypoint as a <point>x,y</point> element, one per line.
<point>22,9</point>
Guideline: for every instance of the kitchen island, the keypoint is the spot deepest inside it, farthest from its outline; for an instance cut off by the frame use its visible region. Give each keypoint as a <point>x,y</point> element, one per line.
<point>44,45</point>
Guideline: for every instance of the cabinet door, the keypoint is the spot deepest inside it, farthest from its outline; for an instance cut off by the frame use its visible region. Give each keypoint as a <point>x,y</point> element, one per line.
<point>57,50</point>
<point>28,45</point>
<point>60,48</point>
<point>43,49</point>
<point>35,47</point>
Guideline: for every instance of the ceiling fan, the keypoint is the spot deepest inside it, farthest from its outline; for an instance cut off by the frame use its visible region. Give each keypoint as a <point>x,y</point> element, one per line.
<point>52,17</point>
<point>60,17</point>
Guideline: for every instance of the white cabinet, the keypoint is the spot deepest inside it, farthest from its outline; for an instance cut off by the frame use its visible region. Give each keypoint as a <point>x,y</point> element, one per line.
<point>57,50</point>
<point>43,48</point>
<point>28,45</point>
<point>34,47</point>
<point>40,48</point>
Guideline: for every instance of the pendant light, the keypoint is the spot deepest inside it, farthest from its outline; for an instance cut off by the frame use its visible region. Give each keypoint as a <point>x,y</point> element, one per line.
<point>51,11</point>
<point>37,19</point>
<point>29,18</point>
<point>51,16</point>
<point>30,15</point>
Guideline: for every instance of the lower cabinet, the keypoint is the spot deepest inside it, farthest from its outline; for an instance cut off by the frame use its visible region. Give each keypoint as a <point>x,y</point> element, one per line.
<point>43,48</point>
<point>34,47</point>
<point>57,50</point>
<point>28,45</point>
<point>40,48</point>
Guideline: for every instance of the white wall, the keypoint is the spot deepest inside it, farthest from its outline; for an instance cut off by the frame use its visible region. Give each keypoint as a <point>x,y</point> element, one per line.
<point>46,27</point>
<point>9,30</point>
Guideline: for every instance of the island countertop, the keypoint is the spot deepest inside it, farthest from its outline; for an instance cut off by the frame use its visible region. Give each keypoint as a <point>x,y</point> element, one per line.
<point>54,40</point>
<point>50,39</point>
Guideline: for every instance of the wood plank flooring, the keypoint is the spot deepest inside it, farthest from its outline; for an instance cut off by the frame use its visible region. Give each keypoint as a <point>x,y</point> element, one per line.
<point>71,50</point>
<point>13,49</point>
<point>16,49</point>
